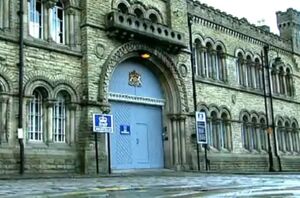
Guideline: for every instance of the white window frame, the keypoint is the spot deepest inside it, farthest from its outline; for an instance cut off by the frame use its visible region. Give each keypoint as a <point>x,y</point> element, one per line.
<point>59,120</point>
<point>35,127</point>
<point>56,23</point>
<point>35,19</point>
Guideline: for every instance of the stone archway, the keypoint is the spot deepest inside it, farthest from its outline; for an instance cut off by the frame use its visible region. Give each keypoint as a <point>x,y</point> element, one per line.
<point>175,95</point>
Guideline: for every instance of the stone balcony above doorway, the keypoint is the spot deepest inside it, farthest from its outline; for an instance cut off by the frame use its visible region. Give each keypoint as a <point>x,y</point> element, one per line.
<point>126,26</point>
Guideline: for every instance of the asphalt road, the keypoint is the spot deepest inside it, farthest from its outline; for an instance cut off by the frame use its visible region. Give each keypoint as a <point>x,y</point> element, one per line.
<point>156,184</point>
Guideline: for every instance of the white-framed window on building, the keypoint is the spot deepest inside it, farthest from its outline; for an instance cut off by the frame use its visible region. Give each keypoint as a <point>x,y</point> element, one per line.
<point>35,18</point>
<point>214,125</point>
<point>245,132</point>
<point>280,136</point>
<point>240,69</point>
<point>35,117</point>
<point>57,23</point>
<point>287,135</point>
<point>59,119</point>
<point>225,135</point>
<point>263,135</point>
<point>253,135</point>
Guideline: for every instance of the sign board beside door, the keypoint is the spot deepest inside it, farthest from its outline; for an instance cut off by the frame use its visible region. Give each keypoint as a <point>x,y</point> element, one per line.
<point>102,123</point>
<point>201,131</point>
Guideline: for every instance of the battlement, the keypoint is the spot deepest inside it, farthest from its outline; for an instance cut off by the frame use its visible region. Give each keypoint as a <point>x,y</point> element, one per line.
<point>287,19</point>
<point>234,23</point>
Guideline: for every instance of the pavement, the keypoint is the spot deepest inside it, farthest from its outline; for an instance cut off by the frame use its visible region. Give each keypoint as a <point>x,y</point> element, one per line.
<point>154,183</point>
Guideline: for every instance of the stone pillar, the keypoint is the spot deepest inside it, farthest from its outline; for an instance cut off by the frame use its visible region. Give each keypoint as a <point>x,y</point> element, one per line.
<point>6,14</point>
<point>182,139</point>
<point>3,121</point>
<point>175,142</point>
<point>49,124</point>
<point>1,14</point>
<point>72,121</point>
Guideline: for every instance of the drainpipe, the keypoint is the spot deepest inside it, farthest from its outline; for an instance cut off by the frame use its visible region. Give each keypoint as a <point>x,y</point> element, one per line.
<point>265,65</point>
<point>190,21</point>
<point>266,51</point>
<point>21,74</point>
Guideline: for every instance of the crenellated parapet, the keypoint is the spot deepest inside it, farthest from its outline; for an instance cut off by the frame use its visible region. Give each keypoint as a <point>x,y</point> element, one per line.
<point>241,28</point>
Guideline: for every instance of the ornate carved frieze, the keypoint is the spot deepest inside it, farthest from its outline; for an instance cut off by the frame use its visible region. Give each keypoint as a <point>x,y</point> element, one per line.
<point>135,99</point>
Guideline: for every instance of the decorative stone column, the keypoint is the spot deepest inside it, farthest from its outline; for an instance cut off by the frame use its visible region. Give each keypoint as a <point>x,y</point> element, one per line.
<point>175,141</point>
<point>49,104</point>
<point>182,119</point>
<point>71,123</point>
<point>4,136</point>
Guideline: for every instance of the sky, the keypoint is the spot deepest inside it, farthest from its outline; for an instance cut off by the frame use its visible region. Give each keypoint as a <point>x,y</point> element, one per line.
<point>255,10</point>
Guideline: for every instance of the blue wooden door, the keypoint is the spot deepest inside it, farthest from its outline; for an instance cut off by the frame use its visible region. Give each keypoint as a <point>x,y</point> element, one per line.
<point>141,145</point>
<point>137,138</point>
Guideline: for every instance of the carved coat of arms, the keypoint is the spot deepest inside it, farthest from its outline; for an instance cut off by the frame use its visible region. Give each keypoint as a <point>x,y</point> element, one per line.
<point>134,79</point>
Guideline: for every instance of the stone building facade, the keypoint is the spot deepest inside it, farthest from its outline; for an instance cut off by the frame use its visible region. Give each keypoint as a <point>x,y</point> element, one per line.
<point>151,64</point>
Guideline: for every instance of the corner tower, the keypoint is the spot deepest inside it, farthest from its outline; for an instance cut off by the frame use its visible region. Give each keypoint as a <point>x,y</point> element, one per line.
<point>289,27</point>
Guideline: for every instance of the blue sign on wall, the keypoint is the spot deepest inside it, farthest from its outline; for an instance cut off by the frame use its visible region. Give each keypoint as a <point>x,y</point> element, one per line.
<point>201,128</point>
<point>124,129</point>
<point>102,123</point>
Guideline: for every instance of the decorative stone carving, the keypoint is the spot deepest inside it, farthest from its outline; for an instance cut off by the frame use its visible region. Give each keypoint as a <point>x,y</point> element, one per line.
<point>99,50</point>
<point>136,99</point>
<point>233,99</point>
<point>183,70</point>
<point>134,79</point>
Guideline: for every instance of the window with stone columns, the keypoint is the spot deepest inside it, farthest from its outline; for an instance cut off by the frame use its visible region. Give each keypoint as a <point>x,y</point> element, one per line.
<point>51,120</point>
<point>254,136</point>
<point>4,14</point>
<point>287,135</point>
<point>54,21</point>
<point>218,128</point>
<point>210,61</point>
<point>249,71</point>
<point>282,78</point>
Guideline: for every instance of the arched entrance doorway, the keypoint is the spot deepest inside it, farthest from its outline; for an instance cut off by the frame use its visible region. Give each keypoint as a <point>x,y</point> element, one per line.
<point>137,101</point>
<point>170,98</point>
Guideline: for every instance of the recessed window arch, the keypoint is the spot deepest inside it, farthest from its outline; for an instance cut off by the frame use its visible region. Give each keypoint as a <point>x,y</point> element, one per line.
<point>245,132</point>
<point>213,136</point>
<point>263,134</point>
<point>281,81</point>
<point>153,18</point>
<point>36,115</point>
<point>138,12</point>
<point>240,69</point>
<point>249,75</point>
<point>220,63</point>
<point>280,135</point>
<point>289,82</point>
<point>122,8</point>
<point>288,137</point>
<point>60,116</point>
<point>225,132</point>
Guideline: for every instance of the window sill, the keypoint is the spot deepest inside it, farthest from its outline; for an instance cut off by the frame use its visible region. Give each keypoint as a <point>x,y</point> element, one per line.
<point>53,46</point>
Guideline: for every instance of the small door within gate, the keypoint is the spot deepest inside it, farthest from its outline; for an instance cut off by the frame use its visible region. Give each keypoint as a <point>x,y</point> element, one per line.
<point>137,138</point>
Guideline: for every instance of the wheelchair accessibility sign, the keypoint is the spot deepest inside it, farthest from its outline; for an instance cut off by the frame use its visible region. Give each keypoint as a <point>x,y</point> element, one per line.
<point>102,123</point>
